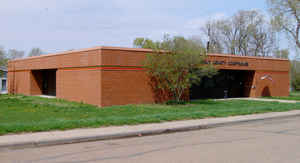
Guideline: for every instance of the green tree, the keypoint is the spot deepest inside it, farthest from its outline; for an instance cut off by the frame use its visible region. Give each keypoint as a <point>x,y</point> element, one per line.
<point>211,30</point>
<point>296,82</point>
<point>144,43</point>
<point>282,53</point>
<point>286,17</point>
<point>35,52</point>
<point>15,54</point>
<point>246,33</point>
<point>295,73</point>
<point>3,59</point>
<point>175,64</point>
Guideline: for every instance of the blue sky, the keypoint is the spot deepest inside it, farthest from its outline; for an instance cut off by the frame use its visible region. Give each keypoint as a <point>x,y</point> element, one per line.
<point>58,25</point>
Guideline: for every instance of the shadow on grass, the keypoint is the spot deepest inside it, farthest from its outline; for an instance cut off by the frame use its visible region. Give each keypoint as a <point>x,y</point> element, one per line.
<point>206,102</point>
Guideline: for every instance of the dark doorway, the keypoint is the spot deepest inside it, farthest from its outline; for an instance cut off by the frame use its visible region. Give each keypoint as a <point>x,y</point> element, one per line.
<point>226,84</point>
<point>46,81</point>
<point>3,86</point>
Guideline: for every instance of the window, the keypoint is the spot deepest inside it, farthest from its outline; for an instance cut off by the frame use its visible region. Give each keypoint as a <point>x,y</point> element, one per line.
<point>3,74</point>
<point>3,86</point>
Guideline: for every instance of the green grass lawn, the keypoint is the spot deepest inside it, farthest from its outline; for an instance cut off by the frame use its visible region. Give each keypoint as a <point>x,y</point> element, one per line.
<point>293,96</point>
<point>33,114</point>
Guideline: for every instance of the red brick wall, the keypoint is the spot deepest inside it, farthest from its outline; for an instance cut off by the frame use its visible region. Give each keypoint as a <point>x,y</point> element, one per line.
<point>255,63</point>
<point>120,87</point>
<point>122,57</point>
<point>277,85</point>
<point>82,85</point>
<point>19,82</point>
<point>10,82</point>
<point>82,58</point>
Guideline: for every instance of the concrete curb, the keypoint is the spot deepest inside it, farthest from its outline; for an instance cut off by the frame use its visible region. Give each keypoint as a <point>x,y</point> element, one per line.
<point>131,131</point>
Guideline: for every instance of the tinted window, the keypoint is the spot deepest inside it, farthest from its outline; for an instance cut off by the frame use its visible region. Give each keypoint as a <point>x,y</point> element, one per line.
<point>3,85</point>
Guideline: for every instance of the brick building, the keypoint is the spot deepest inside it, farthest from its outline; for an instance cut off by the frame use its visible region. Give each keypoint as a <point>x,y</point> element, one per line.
<point>107,76</point>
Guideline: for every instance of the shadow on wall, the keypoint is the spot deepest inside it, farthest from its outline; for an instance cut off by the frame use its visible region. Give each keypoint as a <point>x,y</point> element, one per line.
<point>266,92</point>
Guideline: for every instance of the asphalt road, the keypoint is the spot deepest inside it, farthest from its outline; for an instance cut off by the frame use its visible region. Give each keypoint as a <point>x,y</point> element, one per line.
<point>269,141</point>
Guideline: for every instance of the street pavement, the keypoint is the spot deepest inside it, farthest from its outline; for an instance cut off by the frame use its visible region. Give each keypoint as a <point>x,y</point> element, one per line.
<point>267,141</point>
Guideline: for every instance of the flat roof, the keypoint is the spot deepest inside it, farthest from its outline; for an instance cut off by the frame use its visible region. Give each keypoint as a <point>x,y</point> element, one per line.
<point>3,69</point>
<point>133,49</point>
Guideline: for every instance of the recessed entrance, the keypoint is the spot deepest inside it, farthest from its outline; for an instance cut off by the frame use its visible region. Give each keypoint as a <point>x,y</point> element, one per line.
<point>45,81</point>
<point>226,84</point>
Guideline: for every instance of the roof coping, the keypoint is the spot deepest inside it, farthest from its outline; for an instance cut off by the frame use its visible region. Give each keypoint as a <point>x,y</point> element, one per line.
<point>131,49</point>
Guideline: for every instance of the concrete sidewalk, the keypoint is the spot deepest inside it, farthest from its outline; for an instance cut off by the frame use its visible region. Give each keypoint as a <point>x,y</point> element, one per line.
<point>261,99</point>
<point>84,135</point>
